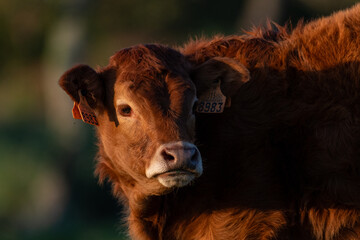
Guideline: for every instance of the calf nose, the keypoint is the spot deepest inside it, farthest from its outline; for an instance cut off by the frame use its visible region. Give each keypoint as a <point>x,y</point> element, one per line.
<point>176,154</point>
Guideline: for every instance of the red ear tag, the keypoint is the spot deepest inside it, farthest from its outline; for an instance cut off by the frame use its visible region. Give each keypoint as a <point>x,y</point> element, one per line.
<point>212,101</point>
<point>75,111</point>
<point>84,112</point>
<point>87,114</point>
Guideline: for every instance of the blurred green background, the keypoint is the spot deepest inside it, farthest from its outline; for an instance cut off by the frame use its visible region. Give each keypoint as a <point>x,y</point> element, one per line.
<point>47,186</point>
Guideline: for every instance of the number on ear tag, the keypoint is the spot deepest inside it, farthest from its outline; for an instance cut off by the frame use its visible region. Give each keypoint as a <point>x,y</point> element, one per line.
<point>212,101</point>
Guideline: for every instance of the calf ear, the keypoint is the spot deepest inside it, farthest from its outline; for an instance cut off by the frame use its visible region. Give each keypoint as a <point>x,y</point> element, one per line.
<point>84,86</point>
<point>82,80</point>
<point>227,72</point>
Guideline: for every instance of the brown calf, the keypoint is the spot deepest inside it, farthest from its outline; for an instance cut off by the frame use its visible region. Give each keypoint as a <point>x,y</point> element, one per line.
<point>280,162</point>
<point>143,103</point>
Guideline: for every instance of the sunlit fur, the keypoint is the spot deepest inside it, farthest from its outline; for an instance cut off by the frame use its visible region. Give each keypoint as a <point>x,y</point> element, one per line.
<point>281,163</point>
<point>297,120</point>
<point>154,81</point>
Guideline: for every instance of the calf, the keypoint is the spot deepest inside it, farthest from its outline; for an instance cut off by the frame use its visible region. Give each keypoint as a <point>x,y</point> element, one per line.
<point>143,103</point>
<point>280,162</point>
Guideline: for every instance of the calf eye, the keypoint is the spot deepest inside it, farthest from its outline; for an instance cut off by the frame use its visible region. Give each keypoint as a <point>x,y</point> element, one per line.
<point>217,80</point>
<point>124,110</point>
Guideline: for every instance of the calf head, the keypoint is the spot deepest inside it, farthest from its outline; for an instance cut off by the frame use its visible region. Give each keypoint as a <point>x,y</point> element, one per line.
<point>143,103</point>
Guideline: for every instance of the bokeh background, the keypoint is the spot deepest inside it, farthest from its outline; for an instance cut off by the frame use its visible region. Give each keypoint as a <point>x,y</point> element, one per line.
<point>47,187</point>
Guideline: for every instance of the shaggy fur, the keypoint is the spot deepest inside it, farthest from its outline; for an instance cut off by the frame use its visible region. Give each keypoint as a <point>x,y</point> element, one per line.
<point>299,114</point>
<point>221,204</point>
<point>281,163</point>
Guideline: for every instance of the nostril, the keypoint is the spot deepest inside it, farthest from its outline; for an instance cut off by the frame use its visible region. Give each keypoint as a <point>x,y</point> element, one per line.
<point>167,156</point>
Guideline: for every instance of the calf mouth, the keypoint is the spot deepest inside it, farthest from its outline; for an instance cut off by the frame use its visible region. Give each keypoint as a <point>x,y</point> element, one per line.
<point>175,172</point>
<point>176,178</point>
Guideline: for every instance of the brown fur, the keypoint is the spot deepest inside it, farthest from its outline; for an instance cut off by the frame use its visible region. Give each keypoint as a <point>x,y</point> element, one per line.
<point>220,204</point>
<point>302,106</point>
<point>154,81</point>
<point>281,163</point>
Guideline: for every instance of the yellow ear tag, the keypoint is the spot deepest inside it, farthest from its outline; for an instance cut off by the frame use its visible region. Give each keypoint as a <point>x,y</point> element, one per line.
<point>212,101</point>
<point>82,111</point>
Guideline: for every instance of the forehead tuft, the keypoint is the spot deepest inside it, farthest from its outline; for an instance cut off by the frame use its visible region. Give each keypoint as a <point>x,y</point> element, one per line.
<point>149,58</point>
<point>151,67</point>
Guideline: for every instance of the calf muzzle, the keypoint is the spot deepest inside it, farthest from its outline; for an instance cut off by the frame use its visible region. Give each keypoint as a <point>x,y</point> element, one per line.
<point>175,164</point>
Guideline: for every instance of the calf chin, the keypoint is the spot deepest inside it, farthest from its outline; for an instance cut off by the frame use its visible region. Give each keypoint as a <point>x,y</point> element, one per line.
<point>176,179</point>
